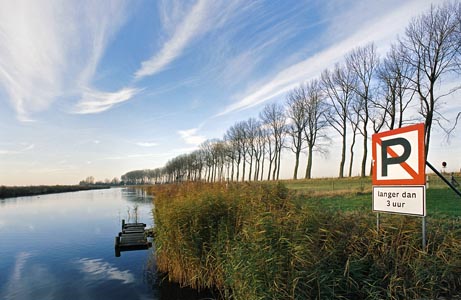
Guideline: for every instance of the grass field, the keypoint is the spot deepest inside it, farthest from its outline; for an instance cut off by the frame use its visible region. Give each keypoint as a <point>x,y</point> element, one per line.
<point>355,194</point>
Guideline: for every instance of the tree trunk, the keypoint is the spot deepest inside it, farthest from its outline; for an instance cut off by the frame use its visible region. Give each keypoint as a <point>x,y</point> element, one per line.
<point>256,174</point>
<point>309,163</point>
<point>365,150</point>
<point>274,172</point>
<point>270,168</point>
<point>238,170</point>
<point>278,165</point>
<point>352,156</point>
<point>232,171</point>
<point>262,168</point>
<point>295,172</point>
<point>251,169</point>
<point>343,156</point>
<point>427,138</point>
<point>243,170</point>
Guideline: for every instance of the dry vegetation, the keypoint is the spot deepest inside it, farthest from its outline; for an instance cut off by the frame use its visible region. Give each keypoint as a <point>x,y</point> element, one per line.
<point>252,241</point>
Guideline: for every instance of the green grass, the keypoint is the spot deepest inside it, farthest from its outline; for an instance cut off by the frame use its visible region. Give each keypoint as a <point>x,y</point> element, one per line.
<point>329,184</point>
<point>355,194</point>
<point>442,202</point>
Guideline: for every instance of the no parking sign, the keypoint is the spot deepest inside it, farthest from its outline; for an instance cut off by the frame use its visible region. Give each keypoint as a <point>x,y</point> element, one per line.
<point>399,176</point>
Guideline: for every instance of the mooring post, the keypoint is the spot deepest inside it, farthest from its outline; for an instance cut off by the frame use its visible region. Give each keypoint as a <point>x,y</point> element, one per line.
<point>117,241</point>
<point>123,224</point>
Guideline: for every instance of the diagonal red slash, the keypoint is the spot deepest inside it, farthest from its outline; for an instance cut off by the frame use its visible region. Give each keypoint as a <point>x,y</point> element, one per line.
<point>403,164</point>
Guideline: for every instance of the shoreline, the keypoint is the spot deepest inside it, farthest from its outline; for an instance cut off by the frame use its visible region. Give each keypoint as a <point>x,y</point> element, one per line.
<point>24,191</point>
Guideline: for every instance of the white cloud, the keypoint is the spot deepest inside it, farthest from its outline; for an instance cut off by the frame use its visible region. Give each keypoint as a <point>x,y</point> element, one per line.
<point>191,137</point>
<point>52,49</point>
<point>96,101</point>
<point>382,31</point>
<point>147,144</point>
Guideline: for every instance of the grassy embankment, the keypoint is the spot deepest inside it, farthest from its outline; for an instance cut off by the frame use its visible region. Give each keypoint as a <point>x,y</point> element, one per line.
<point>264,241</point>
<point>21,191</point>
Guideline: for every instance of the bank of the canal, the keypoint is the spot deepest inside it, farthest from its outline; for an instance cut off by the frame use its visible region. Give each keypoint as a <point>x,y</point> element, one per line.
<point>23,191</point>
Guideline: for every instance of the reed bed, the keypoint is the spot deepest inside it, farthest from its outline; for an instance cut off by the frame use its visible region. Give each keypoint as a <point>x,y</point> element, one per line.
<point>251,241</point>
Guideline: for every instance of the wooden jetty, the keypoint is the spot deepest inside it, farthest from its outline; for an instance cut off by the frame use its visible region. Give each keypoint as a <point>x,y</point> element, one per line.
<point>132,237</point>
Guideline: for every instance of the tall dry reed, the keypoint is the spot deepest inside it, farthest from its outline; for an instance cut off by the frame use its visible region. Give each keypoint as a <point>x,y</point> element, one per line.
<point>250,242</point>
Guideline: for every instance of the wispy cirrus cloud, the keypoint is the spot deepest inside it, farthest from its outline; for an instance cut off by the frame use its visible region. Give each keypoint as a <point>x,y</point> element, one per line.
<point>94,101</point>
<point>382,30</point>
<point>185,28</point>
<point>147,144</point>
<point>24,148</point>
<point>191,27</point>
<point>52,49</point>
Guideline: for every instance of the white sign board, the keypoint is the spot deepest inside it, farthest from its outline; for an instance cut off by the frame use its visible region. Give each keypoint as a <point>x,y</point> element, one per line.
<point>409,200</point>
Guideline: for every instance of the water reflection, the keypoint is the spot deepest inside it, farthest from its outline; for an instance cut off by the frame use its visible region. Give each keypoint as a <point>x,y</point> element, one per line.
<point>26,281</point>
<point>97,270</point>
<point>61,246</point>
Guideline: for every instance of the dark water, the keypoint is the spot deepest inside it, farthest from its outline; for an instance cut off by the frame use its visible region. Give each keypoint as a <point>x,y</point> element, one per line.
<point>61,246</point>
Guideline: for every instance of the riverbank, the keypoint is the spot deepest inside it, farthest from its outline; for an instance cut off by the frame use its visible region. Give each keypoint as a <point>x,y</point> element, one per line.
<point>256,241</point>
<point>21,191</point>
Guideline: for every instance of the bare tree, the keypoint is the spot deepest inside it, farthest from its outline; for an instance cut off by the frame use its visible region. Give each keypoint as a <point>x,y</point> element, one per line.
<point>393,75</point>
<point>274,117</point>
<point>206,148</point>
<point>260,151</point>
<point>271,151</point>
<point>431,45</point>
<point>235,135</point>
<point>315,111</point>
<point>298,119</point>
<point>338,87</point>
<point>363,62</point>
<point>251,128</point>
<point>231,152</point>
<point>354,121</point>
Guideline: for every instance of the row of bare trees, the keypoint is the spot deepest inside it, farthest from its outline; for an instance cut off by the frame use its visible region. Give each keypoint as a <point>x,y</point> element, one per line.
<point>359,96</point>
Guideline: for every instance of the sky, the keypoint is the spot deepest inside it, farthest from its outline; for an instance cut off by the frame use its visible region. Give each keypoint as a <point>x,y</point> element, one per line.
<point>100,88</point>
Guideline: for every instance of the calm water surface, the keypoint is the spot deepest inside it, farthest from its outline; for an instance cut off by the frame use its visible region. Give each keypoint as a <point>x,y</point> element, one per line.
<point>61,246</point>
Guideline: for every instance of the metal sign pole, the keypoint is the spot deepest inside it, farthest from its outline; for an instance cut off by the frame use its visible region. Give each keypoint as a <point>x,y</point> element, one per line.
<point>377,222</point>
<point>424,233</point>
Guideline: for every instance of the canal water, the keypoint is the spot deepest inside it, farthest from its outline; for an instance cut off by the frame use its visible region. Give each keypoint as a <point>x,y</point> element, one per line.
<point>61,246</point>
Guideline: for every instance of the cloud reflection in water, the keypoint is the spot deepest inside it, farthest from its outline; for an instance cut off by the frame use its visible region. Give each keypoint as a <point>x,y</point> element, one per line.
<point>29,280</point>
<point>97,269</point>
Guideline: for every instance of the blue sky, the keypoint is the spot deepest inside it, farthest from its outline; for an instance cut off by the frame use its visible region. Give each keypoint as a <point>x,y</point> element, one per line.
<point>99,88</point>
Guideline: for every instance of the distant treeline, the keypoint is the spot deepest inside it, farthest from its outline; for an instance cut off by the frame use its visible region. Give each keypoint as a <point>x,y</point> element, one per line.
<point>20,191</point>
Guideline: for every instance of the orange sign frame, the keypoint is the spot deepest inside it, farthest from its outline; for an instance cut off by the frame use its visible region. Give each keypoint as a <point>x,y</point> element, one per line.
<point>418,176</point>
